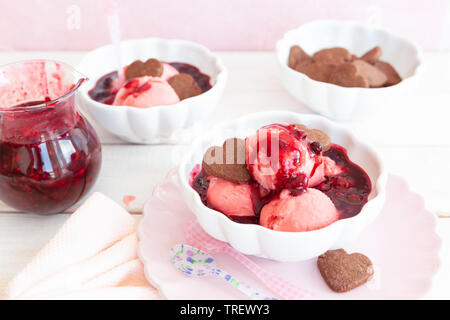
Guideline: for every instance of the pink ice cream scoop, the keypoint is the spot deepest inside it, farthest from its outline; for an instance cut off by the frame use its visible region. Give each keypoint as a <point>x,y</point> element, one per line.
<point>144,92</point>
<point>327,168</point>
<point>310,210</point>
<point>278,157</point>
<point>230,198</point>
<point>168,71</point>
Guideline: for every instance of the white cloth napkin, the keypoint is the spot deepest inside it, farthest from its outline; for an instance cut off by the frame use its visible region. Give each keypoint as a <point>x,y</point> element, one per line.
<point>92,256</point>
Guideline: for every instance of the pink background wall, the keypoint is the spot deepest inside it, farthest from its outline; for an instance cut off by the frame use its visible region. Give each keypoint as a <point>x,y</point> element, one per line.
<point>218,24</point>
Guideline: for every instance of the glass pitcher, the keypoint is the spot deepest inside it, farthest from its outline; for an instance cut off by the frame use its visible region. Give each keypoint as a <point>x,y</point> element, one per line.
<point>50,156</point>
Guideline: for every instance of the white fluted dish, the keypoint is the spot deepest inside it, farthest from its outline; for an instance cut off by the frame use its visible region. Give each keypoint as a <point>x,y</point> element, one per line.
<point>341,103</point>
<point>284,246</point>
<point>178,123</point>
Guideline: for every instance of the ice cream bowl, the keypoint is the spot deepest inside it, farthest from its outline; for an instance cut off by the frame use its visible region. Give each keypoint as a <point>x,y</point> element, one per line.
<point>257,240</point>
<point>176,123</point>
<point>343,103</point>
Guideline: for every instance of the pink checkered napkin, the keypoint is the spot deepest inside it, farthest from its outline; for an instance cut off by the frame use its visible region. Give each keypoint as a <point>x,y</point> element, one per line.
<point>197,237</point>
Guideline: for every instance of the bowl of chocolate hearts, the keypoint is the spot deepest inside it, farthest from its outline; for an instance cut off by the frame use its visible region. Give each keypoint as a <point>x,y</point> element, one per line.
<point>283,185</point>
<point>347,70</point>
<point>161,91</point>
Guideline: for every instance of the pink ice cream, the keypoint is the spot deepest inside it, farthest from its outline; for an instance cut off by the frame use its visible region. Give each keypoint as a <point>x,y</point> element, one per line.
<point>294,186</point>
<point>144,92</point>
<point>307,211</point>
<point>230,198</point>
<point>168,71</point>
<point>278,156</point>
<point>327,168</point>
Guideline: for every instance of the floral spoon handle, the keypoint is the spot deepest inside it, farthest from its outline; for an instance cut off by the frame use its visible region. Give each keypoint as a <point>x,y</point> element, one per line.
<point>281,287</point>
<point>244,288</point>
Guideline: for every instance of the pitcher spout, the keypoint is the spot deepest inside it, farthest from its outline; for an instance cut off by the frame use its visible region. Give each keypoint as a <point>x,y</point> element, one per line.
<point>37,83</point>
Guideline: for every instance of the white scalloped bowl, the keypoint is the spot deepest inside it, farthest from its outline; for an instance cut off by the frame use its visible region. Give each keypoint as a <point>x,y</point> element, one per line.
<point>284,246</point>
<point>178,123</point>
<point>343,103</point>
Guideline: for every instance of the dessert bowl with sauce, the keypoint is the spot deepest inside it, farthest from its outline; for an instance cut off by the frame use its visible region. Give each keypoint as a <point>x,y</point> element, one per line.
<point>255,239</point>
<point>179,122</point>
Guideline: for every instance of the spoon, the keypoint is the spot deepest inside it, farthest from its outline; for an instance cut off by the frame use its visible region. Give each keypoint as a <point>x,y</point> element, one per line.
<point>112,13</point>
<point>196,236</point>
<point>194,262</point>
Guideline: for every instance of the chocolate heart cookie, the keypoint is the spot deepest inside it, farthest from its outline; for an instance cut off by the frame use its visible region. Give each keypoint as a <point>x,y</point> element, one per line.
<point>348,75</point>
<point>298,56</point>
<point>227,162</point>
<point>185,86</point>
<point>342,271</point>
<point>301,127</point>
<point>338,66</point>
<point>332,56</point>
<point>151,67</point>
<point>316,70</point>
<point>374,76</point>
<point>316,135</point>
<point>390,73</point>
<point>372,55</point>
<point>321,137</point>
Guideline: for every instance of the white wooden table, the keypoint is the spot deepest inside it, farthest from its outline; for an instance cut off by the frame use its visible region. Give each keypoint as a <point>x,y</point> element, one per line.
<point>413,138</point>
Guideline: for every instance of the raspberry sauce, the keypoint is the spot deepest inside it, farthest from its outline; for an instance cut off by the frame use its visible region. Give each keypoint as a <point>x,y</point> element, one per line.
<point>49,156</point>
<point>289,159</point>
<point>349,191</point>
<point>202,79</point>
<point>105,89</point>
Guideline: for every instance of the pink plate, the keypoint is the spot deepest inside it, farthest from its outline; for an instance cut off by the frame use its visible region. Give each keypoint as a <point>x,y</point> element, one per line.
<point>402,243</point>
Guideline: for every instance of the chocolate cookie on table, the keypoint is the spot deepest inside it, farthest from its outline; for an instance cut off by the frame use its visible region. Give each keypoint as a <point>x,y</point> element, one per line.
<point>343,272</point>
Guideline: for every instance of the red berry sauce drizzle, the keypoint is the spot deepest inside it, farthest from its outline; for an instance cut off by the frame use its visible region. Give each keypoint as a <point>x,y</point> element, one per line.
<point>202,79</point>
<point>349,191</point>
<point>286,177</point>
<point>105,89</point>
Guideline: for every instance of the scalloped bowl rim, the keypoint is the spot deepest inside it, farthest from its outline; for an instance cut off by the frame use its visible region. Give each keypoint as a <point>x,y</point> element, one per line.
<point>221,75</point>
<point>379,186</point>
<point>284,41</point>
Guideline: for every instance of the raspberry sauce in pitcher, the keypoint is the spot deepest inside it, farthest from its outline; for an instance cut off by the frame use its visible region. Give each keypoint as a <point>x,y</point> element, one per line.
<point>50,156</point>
